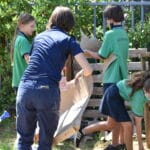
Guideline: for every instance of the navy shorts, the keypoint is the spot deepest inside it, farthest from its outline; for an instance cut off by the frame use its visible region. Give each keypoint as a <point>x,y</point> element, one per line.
<point>106,86</point>
<point>112,105</point>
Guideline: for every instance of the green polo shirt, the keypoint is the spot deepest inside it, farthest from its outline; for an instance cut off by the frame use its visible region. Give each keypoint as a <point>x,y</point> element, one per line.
<point>115,42</point>
<point>21,47</point>
<point>137,101</point>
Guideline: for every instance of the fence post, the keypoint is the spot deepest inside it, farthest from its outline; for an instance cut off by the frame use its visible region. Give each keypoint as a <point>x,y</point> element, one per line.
<point>147,123</point>
<point>145,57</point>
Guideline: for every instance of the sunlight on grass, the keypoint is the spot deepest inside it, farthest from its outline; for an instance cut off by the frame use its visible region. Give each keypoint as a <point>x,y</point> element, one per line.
<point>8,136</point>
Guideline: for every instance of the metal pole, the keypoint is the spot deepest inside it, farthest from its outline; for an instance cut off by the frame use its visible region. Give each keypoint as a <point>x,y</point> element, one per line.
<point>94,21</point>
<point>130,3</point>
<point>132,17</point>
<point>142,14</point>
<point>104,23</point>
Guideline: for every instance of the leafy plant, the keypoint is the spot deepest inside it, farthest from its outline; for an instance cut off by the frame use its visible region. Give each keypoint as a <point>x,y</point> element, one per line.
<point>41,10</point>
<point>139,37</point>
<point>7,97</point>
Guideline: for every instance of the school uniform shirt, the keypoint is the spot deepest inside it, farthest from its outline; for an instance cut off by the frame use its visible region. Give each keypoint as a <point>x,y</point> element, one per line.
<point>115,42</point>
<point>137,101</point>
<point>22,46</point>
<point>49,52</point>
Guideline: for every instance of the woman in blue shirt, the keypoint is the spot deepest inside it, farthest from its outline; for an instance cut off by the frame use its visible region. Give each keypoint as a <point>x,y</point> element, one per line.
<point>38,96</point>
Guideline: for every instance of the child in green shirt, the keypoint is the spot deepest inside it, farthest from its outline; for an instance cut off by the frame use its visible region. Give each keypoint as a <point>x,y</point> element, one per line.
<point>137,92</point>
<point>116,44</point>
<point>22,45</point>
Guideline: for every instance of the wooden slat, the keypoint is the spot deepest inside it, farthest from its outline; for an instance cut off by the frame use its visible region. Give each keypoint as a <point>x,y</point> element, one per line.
<point>92,114</point>
<point>97,78</point>
<point>94,102</point>
<point>133,53</point>
<point>97,91</point>
<point>147,122</point>
<point>132,66</point>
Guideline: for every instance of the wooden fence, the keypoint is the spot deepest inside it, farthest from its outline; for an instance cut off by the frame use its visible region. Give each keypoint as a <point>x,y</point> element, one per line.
<point>134,65</point>
<point>137,59</point>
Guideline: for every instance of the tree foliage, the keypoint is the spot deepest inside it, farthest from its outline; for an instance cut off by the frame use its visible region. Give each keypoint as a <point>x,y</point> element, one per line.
<point>41,10</point>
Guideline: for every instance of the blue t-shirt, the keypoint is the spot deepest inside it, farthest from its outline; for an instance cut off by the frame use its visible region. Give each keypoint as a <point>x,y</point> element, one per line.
<point>49,52</point>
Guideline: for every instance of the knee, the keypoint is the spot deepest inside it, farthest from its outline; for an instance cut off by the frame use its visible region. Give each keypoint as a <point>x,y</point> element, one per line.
<point>110,126</point>
<point>127,125</point>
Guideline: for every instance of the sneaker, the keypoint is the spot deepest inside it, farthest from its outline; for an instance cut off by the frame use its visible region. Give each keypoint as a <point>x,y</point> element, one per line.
<point>111,147</point>
<point>78,138</point>
<point>121,147</point>
<point>118,147</point>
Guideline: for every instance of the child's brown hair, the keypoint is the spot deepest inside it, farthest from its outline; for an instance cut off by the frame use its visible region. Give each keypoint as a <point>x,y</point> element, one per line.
<point>61,17</point>
<point>138,81</point>
<point>23,19</point>
<point>114,12</point>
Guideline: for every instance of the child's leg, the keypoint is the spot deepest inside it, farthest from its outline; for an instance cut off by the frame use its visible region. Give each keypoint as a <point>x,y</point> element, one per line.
<point>127,131</point>
<point>100,126</point>
<point>115,134</point>
<point>121,138</point>
<point>138,126</point>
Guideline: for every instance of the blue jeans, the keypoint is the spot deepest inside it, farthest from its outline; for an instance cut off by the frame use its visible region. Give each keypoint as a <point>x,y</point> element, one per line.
<point>37,101</point>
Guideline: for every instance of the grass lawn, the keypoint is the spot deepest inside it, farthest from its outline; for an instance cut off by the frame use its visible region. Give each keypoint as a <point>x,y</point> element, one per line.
<point>8,135</point>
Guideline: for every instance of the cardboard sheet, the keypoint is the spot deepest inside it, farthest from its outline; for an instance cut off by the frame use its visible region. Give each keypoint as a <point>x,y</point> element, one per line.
<point>74,100</point>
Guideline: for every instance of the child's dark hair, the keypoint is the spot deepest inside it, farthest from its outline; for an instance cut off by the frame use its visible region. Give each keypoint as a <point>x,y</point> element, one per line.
<point>138,80</point>
<point>61,17</point>
<point>114,12</point>
<point>23,19</point>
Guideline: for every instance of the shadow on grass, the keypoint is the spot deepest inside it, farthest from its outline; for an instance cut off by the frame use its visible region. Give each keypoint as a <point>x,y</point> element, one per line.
<point>92,144</point>
<point>7,134</point>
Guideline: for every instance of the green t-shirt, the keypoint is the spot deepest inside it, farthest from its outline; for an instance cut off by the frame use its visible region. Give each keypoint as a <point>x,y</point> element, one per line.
<point>22,46</point>
<point>115,42</point>
<point>137,101</point>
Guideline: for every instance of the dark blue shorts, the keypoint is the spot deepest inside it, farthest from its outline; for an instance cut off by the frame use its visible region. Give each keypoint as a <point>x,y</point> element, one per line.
<point>112,104</point>
<point>106,86</point>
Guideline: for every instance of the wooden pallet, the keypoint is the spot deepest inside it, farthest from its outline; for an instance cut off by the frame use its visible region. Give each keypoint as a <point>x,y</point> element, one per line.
<point>134,65</point>
<point>139,59</point>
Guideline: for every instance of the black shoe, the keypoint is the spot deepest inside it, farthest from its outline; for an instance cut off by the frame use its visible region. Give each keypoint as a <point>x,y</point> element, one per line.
<point>121,147</point>
<point>78,138</point>
<point>111,147</point>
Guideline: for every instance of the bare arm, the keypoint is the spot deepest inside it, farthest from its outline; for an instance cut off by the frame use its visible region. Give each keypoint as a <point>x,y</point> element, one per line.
<point>95,55</point>
<point>87,69</point>
<point>27,58</point>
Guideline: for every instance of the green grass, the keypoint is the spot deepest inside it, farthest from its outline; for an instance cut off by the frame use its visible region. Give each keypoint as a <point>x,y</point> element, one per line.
<point>7,134</point>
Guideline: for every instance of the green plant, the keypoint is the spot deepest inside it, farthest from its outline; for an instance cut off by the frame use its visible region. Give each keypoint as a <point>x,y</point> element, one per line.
<point>139,37</point>
<point>7,97</point>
